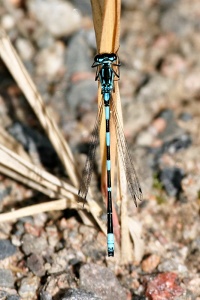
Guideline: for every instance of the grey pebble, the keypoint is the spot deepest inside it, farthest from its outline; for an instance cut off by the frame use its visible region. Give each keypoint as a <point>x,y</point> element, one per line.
<point>84,6</point>
<point>172,265</point>
<point>195,246</point>
<point>185,117</point>
<point>28,287</point>
<point>150,92</point>
<point>77,57</point>
<point>3,295</point>
<point>79,294</point>
<point>83,92</point>
<point>45,296</point>
<point>36,264</point>
<point>188,295</point>
<point>171,180</point>
<point>32,244</point>
<point>6,278</point>
<point>4,191</point>
<point>50,60</point>
<point>129,4</point>
<point>177,21</point>
<point>101,281</point>
<point>13,297</point>
<point>6,249</point>
<point>81,96</point>
<point>25,48</point>
<point>59,17</point>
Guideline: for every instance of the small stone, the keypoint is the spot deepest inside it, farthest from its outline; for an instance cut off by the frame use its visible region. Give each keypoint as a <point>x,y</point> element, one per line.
<point>164,286</point>
<point>78,294</point>
<point>45,296</point>
<point>59,261</point>
<point>150,92</point>
<point>3,295</point>
<point>62,22</point>
<point>50,60</point>
<point>6,249</point>
<point>6,278</point>
<point>13,297</point>
<point>173,65</point>
<point>150,263</point>
<point>84,6</point>
<point>101,281</point>
<point>171,265</point>
<point>171,179</point>
<point>53,237</point>
<point>7,22</point>
<point>36,264</point>
<point>93,250</point>
<point>32,229</point>
<point>40,219</point>
<point>145,138</point>
<point>33,244</point>
<point>25,49</point>
<point>192,84</point>
<point>158,125</point>
<point>16,240</point>
<point>185,117</point>
<point>190,185</point>
<point>194,285</point>
<point>28,287</point>
<point>81,96</point>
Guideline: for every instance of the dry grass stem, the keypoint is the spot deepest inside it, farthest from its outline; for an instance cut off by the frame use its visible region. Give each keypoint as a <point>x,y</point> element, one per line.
<point>24,81</point>
<point>60,204</point>
<point>23,171</point>
<point>15,163</point>
<point>136,234</point>
<point>19,169</point>
<point>19,73</point>
<point>106,16</point>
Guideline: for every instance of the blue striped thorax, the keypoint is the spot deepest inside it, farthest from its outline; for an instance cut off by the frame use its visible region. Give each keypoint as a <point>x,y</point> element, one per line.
<point>106,73</point>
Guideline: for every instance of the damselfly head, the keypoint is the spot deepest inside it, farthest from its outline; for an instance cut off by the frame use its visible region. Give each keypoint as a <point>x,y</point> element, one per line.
<point>105,57</point>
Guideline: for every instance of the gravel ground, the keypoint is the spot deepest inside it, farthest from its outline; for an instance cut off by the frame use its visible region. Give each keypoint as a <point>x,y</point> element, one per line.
<point>54,255</point>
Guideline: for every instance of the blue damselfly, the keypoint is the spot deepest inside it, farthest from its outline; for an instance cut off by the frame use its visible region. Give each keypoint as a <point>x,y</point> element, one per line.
<point>107,65</point>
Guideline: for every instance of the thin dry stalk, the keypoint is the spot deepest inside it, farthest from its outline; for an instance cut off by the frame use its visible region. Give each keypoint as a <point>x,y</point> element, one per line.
<point>25,172</point>
<point>24,81</point>
<point>13,162</point>
<point>136,234</point>
<point>106,16</point>
<point>60,204</point>
<point>19,73</point>
<point>19,169</point>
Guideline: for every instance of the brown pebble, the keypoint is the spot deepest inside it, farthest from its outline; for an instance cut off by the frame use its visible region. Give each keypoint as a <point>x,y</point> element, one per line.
<point>36,264</point>
<point>159,125</point>
<point>150,263</point>
<point>157,143</point>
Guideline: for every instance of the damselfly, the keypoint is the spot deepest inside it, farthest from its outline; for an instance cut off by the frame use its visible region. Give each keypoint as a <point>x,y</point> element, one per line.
<point>107,71</point>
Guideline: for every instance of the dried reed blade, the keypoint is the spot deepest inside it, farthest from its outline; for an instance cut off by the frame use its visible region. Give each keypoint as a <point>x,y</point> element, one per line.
<point>24,81</point>
<point>23,171</point>
<point>106,18</point>
<point>60,204</point>
<point>135,228</point>
<point>19,73</point>
<point>15,164</point>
